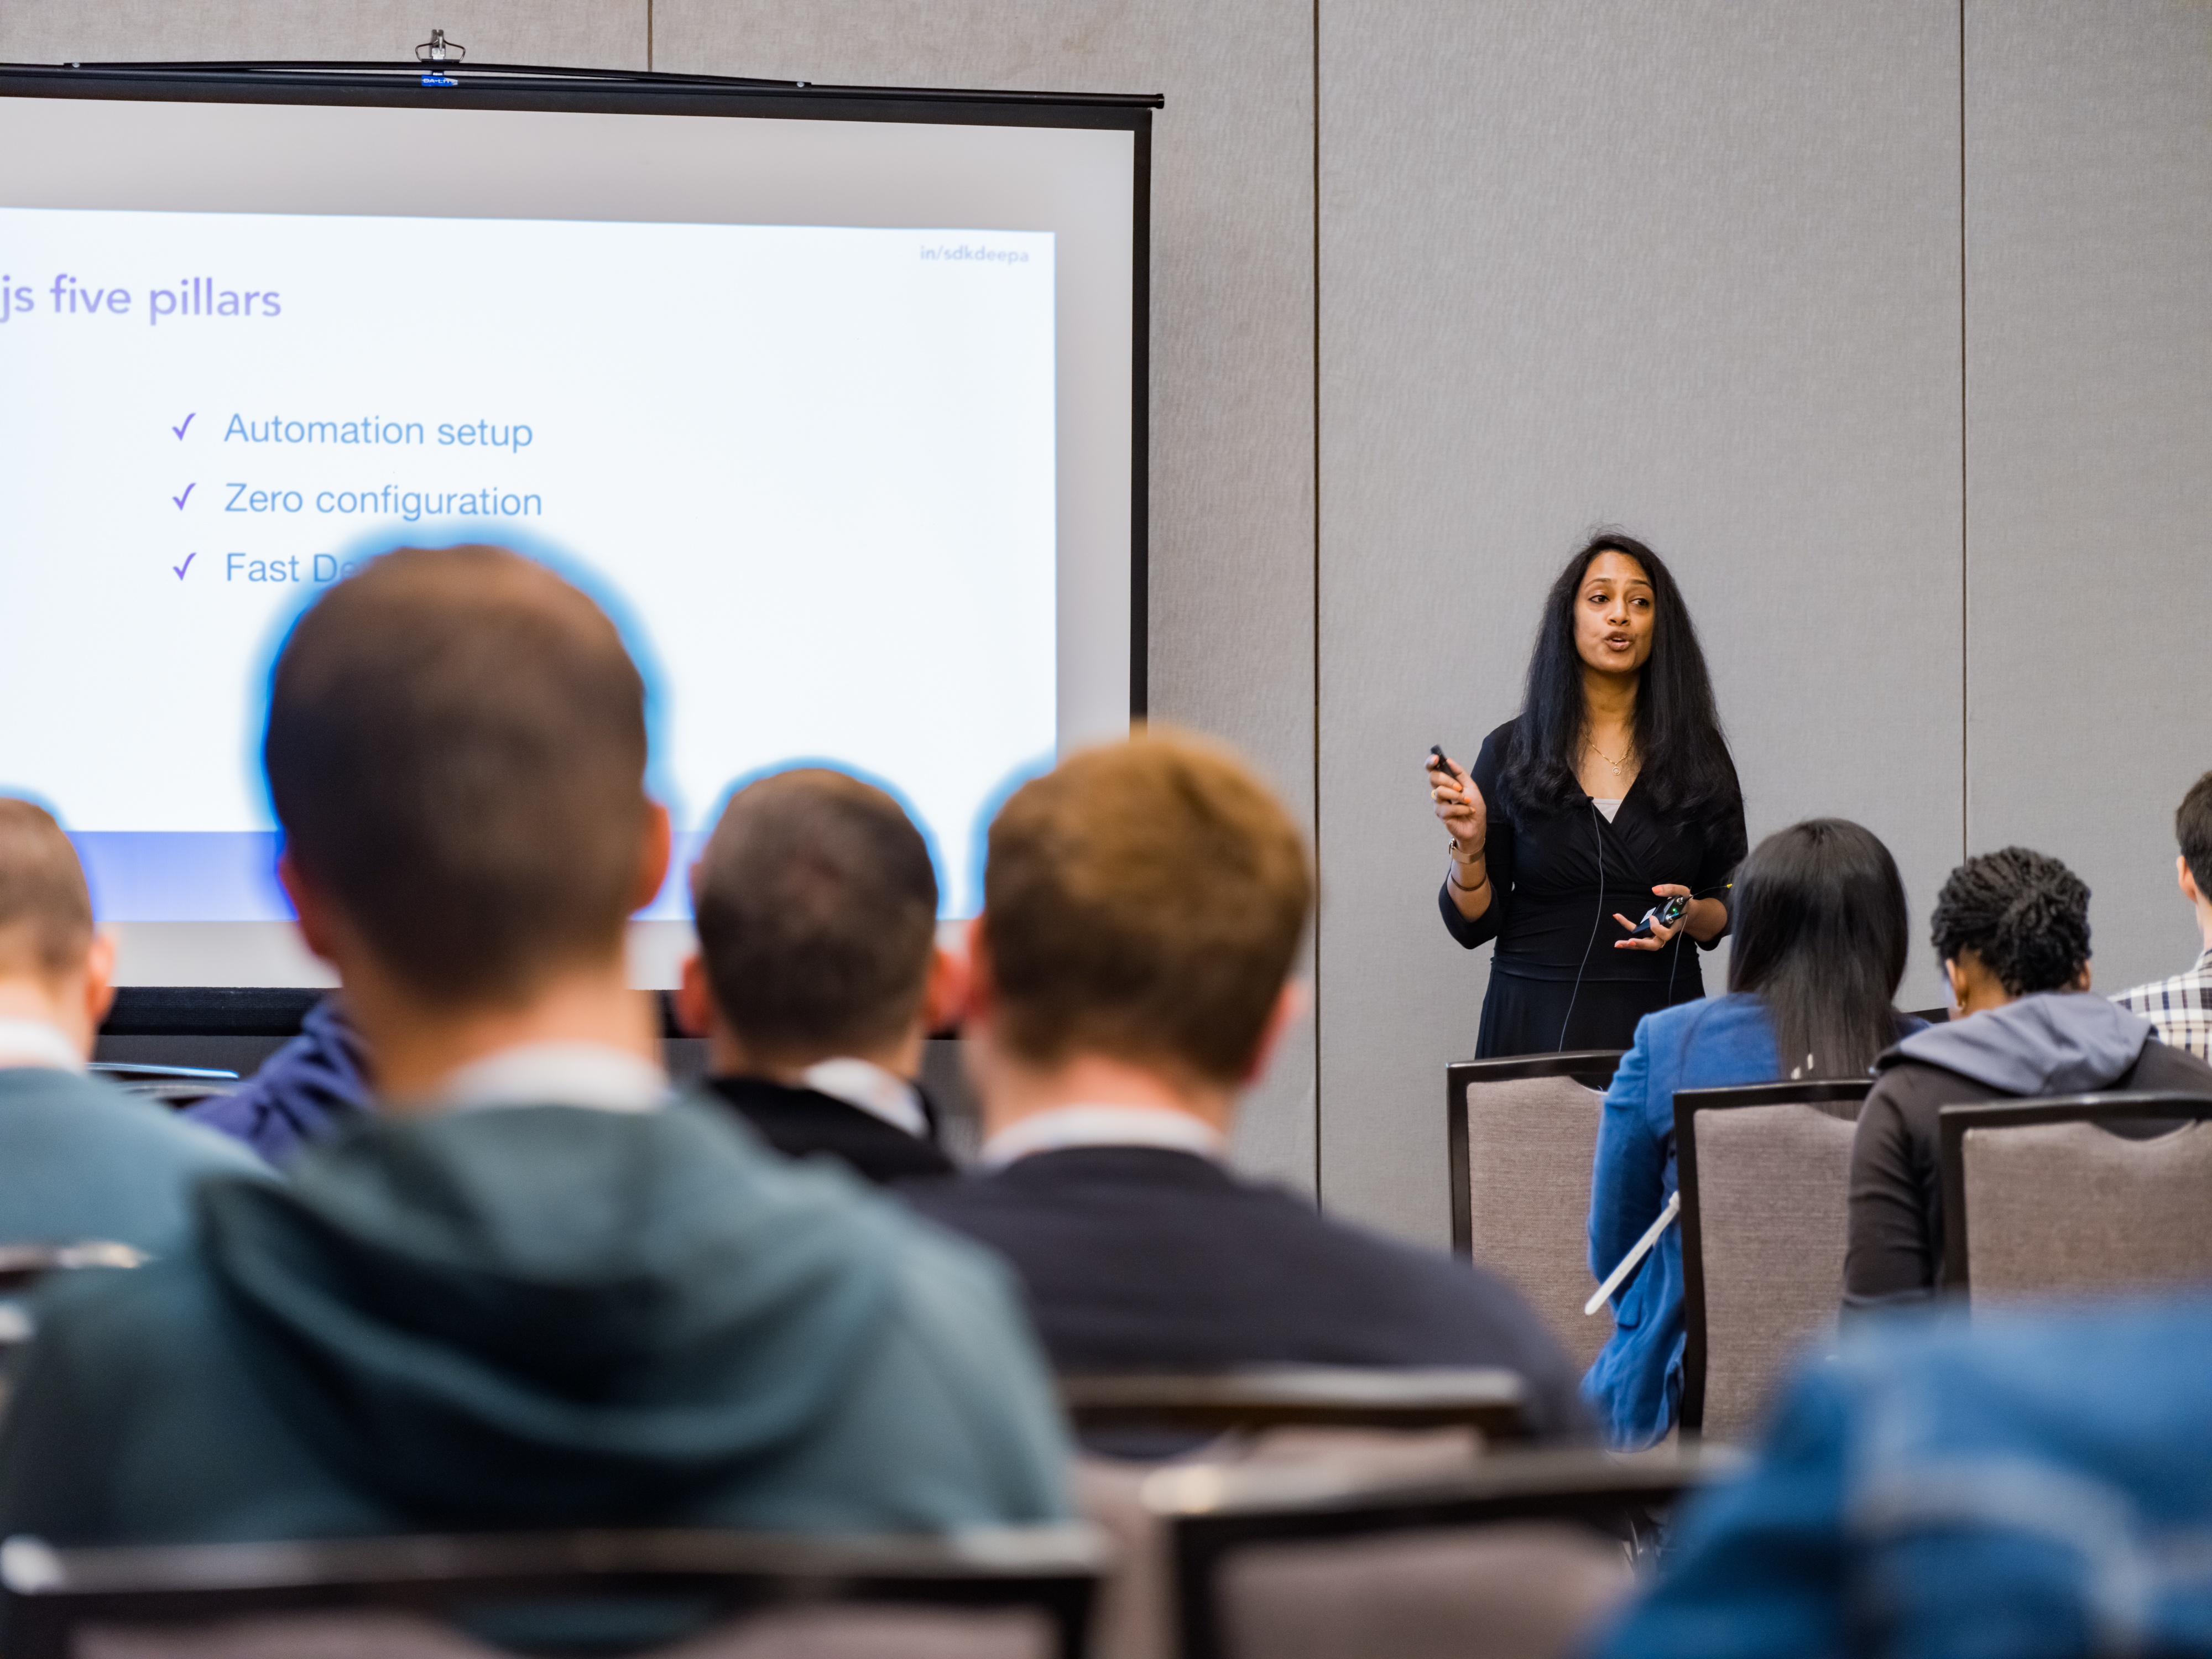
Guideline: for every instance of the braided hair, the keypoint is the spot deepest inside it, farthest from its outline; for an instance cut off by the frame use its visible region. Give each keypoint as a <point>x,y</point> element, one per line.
<point>2027,917</point>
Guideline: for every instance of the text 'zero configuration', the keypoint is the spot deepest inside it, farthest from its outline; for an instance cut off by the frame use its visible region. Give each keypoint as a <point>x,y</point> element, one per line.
<point>391,502</point>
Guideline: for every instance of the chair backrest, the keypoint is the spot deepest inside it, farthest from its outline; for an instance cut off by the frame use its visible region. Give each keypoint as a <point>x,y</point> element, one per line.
<point>1510,1555</point>
<point>22,1266</point>
<point>65,1604</point>
<point>1764,1175</point>
<point>2041,1198</point>
<point>1523,1134</point>
<point>1491,1402</point>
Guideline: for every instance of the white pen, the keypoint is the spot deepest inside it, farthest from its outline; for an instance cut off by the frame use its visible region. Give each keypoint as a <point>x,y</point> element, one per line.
<point>1643,1248</point>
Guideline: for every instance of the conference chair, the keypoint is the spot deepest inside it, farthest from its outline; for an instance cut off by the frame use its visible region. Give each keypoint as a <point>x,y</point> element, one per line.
<point>1353,1424</point>
<point>1522,1138</point>
<point>1488,1402</point>
<point>2077,1193</point>
<point>174,1086</point>
<point>1512,1557</point>
<point>22,1266</point>
<point>1012,1592</point>
<point>1764,1175</point>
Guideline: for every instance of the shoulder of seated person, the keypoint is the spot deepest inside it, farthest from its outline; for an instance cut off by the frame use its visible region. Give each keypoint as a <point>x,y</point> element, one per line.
<point>1684,1019</point>
<point>2186,1069</point>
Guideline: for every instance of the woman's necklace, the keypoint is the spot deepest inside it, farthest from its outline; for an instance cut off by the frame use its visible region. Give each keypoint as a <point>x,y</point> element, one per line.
<point>1619,767</point>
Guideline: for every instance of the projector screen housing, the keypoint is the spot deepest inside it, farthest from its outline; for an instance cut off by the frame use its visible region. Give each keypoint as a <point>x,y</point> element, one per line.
<point>514,260</point>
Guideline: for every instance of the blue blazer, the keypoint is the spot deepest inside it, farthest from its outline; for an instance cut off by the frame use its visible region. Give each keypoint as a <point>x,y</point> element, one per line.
<point>1636,1387</point>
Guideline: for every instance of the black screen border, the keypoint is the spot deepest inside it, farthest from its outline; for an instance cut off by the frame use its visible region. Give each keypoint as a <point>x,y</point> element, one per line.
<point>184,1010</point>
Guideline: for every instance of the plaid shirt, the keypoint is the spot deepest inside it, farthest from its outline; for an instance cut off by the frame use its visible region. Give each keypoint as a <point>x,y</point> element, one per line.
<point>2181,1007</point>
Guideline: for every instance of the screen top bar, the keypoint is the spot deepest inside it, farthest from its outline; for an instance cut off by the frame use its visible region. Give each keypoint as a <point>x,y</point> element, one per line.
<point>455,82</point>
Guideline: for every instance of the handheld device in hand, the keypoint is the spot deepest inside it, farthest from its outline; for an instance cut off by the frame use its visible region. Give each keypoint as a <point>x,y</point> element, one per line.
<point>1437,758</point>
<point>1661,916</point>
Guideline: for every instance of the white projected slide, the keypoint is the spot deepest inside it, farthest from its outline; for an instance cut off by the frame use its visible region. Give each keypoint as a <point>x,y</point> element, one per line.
<point>811,469</point>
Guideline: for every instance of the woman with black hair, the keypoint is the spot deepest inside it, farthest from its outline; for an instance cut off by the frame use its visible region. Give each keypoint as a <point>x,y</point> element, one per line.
<point>1613,783</point>
<point>1821,935</point>
<point>2011,931</point>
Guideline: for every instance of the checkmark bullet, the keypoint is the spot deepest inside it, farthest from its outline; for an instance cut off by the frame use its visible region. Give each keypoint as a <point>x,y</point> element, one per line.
<point>180,430</point>
<point>186,565</point>
<point>181,499</point>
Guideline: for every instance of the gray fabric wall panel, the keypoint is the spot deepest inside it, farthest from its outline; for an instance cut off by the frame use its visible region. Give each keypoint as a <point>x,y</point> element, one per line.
<point>1231,455</point>
<point>2089,428</point>
<point>576,33</point>
<point>1687,268</point>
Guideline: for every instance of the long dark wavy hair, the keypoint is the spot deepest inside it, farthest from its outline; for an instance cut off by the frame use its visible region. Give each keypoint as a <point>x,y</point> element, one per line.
<point>1820,937</point>
<point>1687,772</point>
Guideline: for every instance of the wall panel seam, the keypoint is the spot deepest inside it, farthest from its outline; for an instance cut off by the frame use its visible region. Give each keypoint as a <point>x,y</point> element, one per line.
<point>1314,105</point>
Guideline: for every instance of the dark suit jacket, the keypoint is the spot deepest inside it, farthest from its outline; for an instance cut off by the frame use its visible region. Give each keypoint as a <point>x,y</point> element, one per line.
<point>1138,1258</point>
<point>801,1123</point>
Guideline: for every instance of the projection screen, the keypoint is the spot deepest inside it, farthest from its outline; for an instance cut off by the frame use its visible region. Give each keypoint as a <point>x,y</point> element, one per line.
<point>834,398</point>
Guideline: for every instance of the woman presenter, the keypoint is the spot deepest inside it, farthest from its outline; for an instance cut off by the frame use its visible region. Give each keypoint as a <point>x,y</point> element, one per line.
<point>1610,793</point>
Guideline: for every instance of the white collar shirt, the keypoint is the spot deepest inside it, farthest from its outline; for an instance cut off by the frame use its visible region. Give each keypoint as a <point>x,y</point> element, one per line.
<point>596,1075</point>
<point>33,1042</point>
<point>868,1087</point>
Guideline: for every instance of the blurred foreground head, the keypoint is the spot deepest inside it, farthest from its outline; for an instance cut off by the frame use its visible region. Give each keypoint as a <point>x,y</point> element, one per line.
<point>1143,901</point>
<point>456,751</point>
<point>54,964</point>
<point>816,910</point>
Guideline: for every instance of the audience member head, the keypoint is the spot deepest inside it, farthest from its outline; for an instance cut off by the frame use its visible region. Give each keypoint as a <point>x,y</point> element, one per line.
<point>54,964</point>
<point>1142,906</point>
<point>1821,935</point>
<point>2192,828</point>
<point>816,911</point>
<point>2010,924</point>
<point>456,751</point>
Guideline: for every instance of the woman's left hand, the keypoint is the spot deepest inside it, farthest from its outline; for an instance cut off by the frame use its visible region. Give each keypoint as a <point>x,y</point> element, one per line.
<point>1660,937</point>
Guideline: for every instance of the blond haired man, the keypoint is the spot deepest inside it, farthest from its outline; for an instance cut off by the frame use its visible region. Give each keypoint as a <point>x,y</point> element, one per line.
<point>78,1160</point>
<point>1142,909</point>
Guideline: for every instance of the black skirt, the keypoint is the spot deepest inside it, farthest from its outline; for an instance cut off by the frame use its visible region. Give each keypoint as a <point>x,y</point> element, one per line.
<point>1548,1015</point>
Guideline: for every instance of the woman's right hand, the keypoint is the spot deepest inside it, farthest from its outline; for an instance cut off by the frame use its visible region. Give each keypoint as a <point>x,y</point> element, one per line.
<point>1460,807</point>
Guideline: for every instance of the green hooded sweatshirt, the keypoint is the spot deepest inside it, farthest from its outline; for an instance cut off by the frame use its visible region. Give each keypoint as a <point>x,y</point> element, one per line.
<point>535,1317</point>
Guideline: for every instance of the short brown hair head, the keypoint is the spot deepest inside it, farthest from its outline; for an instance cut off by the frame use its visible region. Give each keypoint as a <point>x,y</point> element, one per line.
<point>1144,900</point>
<point>456,750</point>
<point>45,909</point>
<point>816,908</point>
<point>2192,828</point>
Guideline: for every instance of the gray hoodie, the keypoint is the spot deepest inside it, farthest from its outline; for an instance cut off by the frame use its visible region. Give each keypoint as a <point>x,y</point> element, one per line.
<point>2056,1042</point>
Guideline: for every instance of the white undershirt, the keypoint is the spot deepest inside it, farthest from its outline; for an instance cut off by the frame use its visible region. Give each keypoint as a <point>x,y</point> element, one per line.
<point>590,1074</point>
<point>867,1087</point>
<point>1607,807</point>
<point>34,1042</point>
<point>1066,1126</point>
